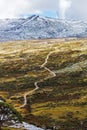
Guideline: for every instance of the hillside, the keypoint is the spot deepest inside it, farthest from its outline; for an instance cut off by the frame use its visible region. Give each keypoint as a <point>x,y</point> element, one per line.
<point>52,76</point>
<point>38,27</point>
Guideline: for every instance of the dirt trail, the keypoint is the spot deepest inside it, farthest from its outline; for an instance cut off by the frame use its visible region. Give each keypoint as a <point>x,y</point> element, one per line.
<point>52,74</point>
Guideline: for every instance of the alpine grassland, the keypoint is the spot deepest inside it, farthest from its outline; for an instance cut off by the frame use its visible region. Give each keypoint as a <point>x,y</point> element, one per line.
<point>60,102</point>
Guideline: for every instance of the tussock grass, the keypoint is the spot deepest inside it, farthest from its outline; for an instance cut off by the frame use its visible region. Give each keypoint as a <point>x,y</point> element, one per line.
<point>58,99</point>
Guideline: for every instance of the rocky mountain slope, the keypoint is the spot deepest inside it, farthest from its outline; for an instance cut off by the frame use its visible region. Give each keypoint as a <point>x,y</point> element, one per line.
<point>38,27</point>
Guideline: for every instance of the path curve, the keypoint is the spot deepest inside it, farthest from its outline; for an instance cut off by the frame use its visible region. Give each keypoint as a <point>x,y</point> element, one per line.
<point>52,74</point>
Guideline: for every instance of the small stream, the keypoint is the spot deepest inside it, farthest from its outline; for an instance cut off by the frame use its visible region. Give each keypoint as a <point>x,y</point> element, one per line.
<point>26,126</point>
<point>31,127</point>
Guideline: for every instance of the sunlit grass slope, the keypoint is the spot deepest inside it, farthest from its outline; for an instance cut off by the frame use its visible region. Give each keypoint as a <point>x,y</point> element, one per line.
<point>60,101</point>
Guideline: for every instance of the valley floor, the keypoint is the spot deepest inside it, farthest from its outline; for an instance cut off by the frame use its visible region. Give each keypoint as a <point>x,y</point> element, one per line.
<point>59,69</point>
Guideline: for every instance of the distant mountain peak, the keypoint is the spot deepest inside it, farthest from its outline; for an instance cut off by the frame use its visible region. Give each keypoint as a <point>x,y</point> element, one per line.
<point>35,27</point>
<point>34,17</point>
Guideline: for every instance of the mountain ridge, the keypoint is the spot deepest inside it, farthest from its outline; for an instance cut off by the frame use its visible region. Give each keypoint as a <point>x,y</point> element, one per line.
<point>38,27</point>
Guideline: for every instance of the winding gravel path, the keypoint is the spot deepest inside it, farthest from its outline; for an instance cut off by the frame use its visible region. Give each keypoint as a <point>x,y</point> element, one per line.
<point>52,74</point>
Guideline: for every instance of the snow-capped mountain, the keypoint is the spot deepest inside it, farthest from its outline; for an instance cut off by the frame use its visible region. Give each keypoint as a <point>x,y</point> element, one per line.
<point>37,27</point>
